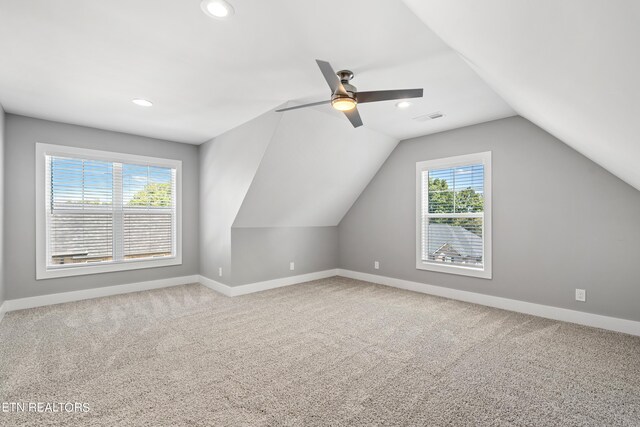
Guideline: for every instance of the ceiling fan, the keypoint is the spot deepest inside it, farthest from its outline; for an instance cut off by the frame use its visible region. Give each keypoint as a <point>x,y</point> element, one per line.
<point>345,97</point>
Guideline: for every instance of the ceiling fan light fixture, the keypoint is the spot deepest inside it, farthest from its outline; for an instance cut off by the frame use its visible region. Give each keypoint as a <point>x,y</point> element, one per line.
<point>219,9</point>
<point>343,103</point>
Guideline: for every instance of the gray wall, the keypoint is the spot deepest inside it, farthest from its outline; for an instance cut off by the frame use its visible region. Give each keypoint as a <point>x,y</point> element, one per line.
<point>259,254</point>
<point>560,221</point>
<point>2,206</point>
<point>21,135</point>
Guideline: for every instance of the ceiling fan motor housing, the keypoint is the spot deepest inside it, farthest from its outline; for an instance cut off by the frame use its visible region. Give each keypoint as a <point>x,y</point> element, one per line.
<point>345,76</point>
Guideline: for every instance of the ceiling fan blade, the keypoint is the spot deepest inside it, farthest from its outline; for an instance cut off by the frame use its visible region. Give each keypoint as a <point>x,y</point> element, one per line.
<point>388,95</point>
<point>303,106</point>
<point>354,117</point>
<point>330,76</point>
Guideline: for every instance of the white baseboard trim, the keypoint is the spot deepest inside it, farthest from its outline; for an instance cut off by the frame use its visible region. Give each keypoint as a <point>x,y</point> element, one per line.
<point>233,291</point>
<point>3,310</point>
<point>588,319</point>
<point>556,313</point>
<point>216,286</point>
<point>42,300</point>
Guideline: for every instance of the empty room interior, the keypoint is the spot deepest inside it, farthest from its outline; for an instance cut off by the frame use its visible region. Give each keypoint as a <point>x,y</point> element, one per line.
<point>319,213</point>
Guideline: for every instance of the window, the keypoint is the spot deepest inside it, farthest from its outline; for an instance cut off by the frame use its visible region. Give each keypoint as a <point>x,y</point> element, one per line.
<point>453,215</point>
<point>99,211</point>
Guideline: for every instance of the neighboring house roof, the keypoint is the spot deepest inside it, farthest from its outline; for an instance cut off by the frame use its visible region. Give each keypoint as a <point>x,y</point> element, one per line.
<point>463,241</point>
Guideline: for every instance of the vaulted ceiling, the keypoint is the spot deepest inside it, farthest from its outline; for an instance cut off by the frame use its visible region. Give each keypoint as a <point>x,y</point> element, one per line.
<point>82,62</point>
<point>569,66</point>
<point>312,178</point>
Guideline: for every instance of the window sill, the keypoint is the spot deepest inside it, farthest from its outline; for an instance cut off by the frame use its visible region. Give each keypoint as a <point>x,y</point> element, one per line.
<point>454,269</point>
<point>86,269</point>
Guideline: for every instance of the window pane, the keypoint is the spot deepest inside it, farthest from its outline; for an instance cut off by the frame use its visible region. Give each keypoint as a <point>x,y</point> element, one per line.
<point>147,234</point>
<point>80,222</point>
<point>455,190</point>
<point>148,211</point>
<point>147,186</point>
<point>453,240</point>
<point>77,183</point>
<point>469,188</point>
<point>441,185</point>
<point>80,237</point>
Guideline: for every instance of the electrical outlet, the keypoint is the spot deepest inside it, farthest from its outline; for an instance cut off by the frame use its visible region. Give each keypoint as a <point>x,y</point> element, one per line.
<point>376,265</point>
<point>581,295</point>
<point>220,271</point>
<point>292,266</point>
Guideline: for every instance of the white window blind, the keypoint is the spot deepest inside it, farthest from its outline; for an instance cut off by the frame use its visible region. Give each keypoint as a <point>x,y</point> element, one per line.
<point>148,214</point>
<point>101,211</point>
<point>452,215</point>
<point>80,220</point>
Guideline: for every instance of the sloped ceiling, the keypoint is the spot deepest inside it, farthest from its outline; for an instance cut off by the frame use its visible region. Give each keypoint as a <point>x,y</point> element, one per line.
<point>82,62</point>
<point>228,165</point>
<point>315,167</point>
<point>569,66</point>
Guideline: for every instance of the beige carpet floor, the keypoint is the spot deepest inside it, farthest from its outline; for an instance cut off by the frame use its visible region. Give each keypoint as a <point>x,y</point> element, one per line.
<point>330,352</point>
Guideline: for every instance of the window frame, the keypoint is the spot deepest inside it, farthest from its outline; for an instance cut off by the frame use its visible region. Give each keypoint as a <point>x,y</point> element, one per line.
<point>483,158</point>
<point>43,270</point>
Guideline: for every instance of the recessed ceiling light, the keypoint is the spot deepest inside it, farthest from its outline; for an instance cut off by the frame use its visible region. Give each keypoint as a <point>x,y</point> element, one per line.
<point>403,104</point>
<point>219,9</point>
<point>142,102</point>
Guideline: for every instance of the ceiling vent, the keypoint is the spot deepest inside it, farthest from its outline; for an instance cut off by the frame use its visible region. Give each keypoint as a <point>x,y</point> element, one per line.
<point>427,117</point>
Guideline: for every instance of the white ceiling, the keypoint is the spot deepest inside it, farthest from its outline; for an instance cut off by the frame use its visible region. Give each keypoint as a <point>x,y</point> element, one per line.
<point>81,62</point>
<point>572,67</point>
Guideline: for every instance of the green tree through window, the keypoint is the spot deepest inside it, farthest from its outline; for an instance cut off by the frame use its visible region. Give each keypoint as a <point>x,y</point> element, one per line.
<point>445,200</point>
<point>157,195</point>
